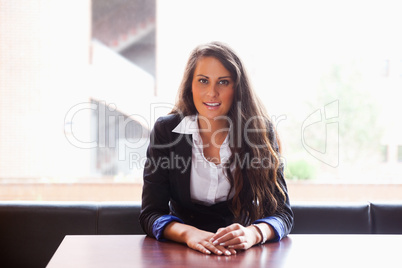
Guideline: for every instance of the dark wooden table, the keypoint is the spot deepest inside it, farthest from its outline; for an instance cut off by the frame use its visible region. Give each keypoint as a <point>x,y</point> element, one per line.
<point>293,251</point>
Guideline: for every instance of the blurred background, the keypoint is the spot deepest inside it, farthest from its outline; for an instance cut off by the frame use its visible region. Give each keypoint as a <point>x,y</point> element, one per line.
<point>82,82</point>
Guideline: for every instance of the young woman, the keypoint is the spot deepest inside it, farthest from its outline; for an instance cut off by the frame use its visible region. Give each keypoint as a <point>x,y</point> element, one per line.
<point>213,177</point>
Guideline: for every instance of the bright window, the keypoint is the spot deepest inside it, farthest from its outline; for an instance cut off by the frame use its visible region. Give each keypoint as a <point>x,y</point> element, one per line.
<point>83,81</point>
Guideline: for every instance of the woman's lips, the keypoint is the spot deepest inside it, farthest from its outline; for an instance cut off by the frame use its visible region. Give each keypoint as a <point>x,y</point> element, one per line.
<point>212,105</point>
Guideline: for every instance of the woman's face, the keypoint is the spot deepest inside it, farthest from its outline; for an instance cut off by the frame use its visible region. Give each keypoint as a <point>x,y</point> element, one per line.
<point>212,88</point>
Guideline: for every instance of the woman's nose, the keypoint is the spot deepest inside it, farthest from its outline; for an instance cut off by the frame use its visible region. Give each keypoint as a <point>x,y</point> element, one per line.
<point>212,90</point>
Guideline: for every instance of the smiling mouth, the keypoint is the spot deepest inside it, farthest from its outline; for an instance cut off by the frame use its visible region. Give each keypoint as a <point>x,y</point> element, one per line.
<point>212,104</point>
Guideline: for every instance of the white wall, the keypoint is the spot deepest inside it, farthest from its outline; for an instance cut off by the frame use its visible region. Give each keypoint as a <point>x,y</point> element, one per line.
<point>44,49</point>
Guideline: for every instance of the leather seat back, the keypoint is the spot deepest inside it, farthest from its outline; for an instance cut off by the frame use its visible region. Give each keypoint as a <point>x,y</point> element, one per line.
<point>329,218</point>
<point>31,233</point>
<point>386,218</point>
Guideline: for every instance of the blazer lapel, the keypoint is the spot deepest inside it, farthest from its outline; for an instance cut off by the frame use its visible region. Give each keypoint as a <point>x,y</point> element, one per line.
<point>184,157</point>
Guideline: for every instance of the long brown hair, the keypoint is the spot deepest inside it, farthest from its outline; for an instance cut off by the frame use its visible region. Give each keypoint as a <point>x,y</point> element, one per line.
<point>255,153</point>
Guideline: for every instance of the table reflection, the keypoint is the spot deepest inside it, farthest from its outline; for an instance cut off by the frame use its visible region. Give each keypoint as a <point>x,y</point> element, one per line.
<point>158,254</point>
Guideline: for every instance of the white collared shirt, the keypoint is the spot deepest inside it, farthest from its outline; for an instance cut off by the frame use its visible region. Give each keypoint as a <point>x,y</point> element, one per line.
<point>208,182</point>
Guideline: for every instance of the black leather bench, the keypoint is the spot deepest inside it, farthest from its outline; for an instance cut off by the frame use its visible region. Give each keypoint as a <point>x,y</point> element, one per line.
<point>386,218</point>
<point>332,218</point>
<point>30,232</point>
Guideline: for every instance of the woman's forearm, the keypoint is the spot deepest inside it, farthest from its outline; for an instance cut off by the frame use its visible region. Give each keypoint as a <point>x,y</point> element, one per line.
<point>178,232</point>
<point>265,231</point>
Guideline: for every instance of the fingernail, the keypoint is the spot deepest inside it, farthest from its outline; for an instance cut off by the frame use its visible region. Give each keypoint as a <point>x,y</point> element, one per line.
<point>215,242</point>
<point>227,252</point>
<point>219,252</point>
<point>232,249</point>
<point>208,252</point>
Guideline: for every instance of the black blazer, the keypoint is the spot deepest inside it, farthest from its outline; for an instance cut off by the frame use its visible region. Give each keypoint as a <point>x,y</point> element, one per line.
<point>166,188</point>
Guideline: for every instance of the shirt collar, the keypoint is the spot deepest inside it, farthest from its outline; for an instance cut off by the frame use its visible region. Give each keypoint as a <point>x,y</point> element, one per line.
<point>189,125</point>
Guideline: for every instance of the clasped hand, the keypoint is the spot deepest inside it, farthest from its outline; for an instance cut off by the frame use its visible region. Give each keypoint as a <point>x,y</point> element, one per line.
<point>225,241</point>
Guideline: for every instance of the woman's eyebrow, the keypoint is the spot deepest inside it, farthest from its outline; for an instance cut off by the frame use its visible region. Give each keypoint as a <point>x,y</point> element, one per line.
<point>228,76</point>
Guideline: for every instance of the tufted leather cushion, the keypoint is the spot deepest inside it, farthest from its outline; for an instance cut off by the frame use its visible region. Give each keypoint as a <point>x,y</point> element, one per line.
<point>329,218</point>
<point>31,232</point>
<point>386,218</point>
<point>119,218</point>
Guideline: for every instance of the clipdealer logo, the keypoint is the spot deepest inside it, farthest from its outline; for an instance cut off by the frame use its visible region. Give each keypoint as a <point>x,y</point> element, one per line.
<point>320,134</point>
<point>115,131</point>
<point>319,131</point>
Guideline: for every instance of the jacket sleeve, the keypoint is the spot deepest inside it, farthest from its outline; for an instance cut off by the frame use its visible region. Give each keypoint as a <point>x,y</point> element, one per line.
<point>156,191</point>
<point>282,220</point>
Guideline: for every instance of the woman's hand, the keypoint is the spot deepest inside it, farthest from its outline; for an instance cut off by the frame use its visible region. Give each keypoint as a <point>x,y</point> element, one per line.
<point>236,236</point>
<point>200,240</point>
<point>195,239</point>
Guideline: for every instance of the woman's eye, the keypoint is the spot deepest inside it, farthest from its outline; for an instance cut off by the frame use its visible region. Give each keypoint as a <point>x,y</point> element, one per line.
<point>224,82</point>
<point>204,81</point>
